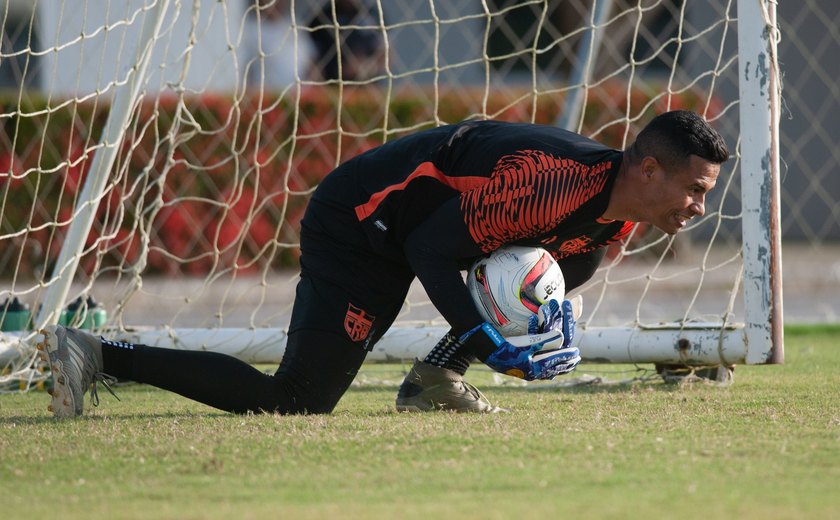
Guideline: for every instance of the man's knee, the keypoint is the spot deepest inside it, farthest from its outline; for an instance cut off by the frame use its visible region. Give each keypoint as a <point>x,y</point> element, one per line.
<point>316,370</point>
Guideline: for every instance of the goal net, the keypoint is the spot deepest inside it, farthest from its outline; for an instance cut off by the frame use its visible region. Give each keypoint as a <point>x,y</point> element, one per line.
<point>156,157</point>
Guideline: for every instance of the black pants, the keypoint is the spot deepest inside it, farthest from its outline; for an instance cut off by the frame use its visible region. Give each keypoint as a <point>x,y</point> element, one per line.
<point>314,374</point>
<point>348,296</point>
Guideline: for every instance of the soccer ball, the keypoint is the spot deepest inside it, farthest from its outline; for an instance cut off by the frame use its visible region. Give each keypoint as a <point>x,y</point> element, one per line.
<point>509,286</point>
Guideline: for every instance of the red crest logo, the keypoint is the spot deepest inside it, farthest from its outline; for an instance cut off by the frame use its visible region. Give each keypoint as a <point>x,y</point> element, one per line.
<point>357,322</point>
<point>574,245</point>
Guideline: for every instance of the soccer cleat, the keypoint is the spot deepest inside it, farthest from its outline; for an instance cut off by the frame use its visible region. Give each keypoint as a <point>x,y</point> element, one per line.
<point>427,388</point>
<point>75,359</point>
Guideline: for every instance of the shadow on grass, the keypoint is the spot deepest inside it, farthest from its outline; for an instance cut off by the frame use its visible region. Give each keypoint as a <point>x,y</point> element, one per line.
<point>48,419</point>
<point>652,384</point>
<point>595,388</point>
<point>374,388</point>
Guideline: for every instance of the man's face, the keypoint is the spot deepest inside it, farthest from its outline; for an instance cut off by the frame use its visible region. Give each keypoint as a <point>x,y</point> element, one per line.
<point>677,196</point>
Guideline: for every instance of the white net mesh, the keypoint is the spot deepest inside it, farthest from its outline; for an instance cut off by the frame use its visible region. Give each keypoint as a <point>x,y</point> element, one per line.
<point>247,105</point>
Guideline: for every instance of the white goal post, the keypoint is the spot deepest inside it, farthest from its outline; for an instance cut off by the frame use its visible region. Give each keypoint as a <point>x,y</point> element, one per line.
<point>156,155</point>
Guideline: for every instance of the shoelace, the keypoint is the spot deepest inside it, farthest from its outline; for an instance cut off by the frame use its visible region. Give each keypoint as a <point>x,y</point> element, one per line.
<point>106,380</point>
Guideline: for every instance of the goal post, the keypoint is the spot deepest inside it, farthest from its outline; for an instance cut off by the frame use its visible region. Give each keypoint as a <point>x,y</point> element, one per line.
<point>156,157</point>
<point>125,97</point>
<point>759,92</point>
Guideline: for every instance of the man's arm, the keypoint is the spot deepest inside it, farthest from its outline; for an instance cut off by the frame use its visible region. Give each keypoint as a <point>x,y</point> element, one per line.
<point>433,249</point>
<point>577,269</point>
<point>529,194</point>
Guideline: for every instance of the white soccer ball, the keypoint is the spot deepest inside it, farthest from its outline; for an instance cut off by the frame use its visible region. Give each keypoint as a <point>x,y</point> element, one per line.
<point>509,286</point>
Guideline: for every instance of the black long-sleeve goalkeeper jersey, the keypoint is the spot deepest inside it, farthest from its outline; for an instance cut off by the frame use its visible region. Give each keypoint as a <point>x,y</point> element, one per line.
<point>443,197</point>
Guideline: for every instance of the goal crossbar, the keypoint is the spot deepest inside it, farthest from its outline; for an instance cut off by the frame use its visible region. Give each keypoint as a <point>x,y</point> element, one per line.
<point>669,343</point>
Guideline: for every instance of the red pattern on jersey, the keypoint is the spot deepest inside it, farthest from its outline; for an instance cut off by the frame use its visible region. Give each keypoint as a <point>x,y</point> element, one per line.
<point>528,194</point>
<point>425,169</point>
<point>623,233</point>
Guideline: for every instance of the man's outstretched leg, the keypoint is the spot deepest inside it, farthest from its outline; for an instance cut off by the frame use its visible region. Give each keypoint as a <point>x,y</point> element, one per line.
<point>315,372</point>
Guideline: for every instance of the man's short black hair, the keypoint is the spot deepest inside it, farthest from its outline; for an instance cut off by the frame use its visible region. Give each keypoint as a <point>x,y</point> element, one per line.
<point>674,136</point>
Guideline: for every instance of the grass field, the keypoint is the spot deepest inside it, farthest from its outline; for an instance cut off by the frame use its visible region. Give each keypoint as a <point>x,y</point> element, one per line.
<point>766,447</point>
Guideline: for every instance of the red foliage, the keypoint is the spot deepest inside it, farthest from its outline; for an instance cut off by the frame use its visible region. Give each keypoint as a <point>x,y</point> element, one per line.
<point>239,246</point>
<point>78,162</point>
<point>10,170</point>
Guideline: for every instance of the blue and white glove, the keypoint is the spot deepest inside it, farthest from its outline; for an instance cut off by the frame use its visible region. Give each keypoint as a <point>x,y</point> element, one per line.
<point>554,315</point>
<point>543,353</point>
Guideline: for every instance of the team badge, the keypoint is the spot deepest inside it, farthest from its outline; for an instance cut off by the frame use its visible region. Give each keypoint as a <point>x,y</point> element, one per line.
<point>357,322</point>
<point>574,245</point>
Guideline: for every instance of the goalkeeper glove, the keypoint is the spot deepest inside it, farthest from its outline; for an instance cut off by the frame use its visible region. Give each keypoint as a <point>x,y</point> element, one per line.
<point>543,353</point>
<point>555,315</point>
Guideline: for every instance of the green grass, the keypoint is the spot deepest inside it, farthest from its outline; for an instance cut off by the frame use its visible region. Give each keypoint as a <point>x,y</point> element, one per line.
<point>766,447</point>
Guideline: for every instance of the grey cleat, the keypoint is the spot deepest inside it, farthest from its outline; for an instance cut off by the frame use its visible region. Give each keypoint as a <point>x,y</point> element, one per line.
<point>427,388</point>
<point>75,359</point>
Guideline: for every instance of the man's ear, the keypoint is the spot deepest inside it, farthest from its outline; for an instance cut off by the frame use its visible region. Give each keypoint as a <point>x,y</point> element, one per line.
<point>648,167</point>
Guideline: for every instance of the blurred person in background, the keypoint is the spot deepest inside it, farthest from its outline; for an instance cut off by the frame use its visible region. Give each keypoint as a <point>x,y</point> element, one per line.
<point>361,50</point>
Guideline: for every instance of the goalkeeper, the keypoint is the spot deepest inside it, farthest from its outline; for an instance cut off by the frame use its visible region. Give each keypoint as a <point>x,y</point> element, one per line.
<point>426,206</point>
